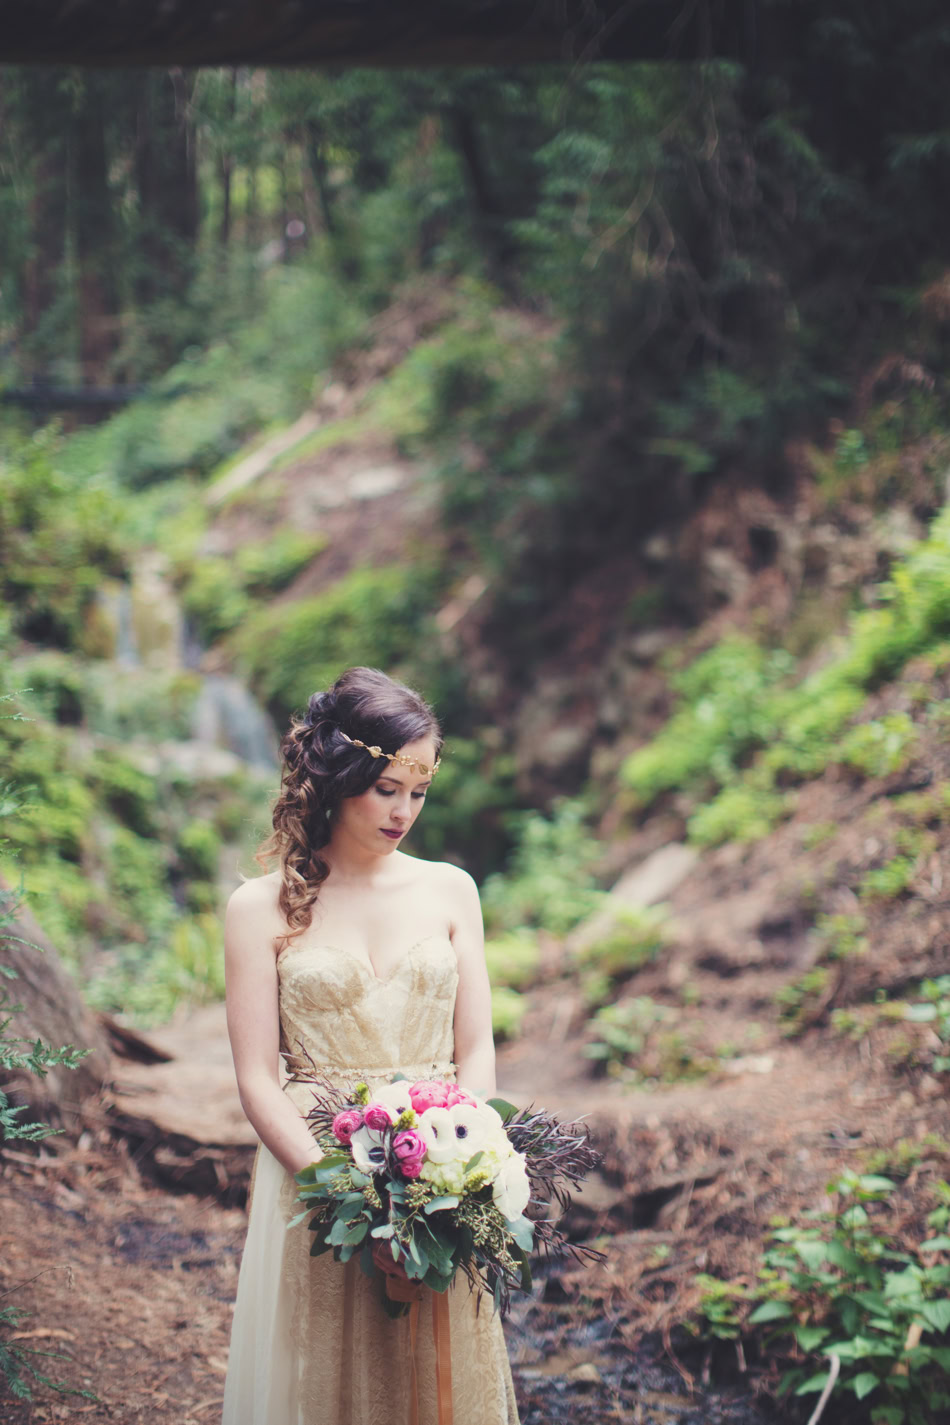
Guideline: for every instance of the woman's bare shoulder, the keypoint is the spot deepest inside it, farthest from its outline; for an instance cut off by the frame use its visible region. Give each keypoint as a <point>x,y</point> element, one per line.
<point>444,874</point>
<point>257,893</point>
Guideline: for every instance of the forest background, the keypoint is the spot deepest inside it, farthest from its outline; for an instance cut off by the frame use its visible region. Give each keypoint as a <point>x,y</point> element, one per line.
<point>609,407</point>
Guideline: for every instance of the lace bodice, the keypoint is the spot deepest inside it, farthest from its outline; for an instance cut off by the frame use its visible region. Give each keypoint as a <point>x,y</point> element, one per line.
<point>335,1009</point>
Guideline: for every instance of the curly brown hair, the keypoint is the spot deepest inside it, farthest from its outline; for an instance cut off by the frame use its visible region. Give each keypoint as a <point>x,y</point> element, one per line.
<point>321,768</point>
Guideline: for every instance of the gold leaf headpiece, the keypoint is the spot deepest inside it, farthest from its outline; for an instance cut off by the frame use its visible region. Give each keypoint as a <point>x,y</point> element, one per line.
<point>400,757</point>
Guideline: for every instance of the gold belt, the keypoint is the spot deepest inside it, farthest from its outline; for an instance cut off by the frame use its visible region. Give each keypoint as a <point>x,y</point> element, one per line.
<point>301,1071</point>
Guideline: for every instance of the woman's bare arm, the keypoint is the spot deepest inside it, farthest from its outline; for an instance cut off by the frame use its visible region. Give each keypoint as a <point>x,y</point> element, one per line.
<point>253,1025</point>
<point>474,1045</point>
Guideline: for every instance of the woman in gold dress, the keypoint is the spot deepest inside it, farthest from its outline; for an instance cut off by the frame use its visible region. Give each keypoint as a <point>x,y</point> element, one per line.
<point>361,962</point>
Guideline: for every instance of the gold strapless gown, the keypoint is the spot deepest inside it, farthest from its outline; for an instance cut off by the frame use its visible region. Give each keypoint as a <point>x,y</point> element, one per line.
<point>311,1343</point>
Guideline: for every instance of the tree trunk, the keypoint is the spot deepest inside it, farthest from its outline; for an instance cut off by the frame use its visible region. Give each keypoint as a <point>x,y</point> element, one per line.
<point>318,167</point>
<point>52,1010</point>
<point>226,163</point>
<point>166,178</point>
<point>487,213</point>
<point>45,117</point>
<point>94,222</point>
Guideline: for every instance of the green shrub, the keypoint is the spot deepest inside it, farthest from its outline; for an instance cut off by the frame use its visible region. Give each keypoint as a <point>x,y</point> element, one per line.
<point>726,709</point>
<point>129,793</point>
<point>737,700</point>
<point>19,1362</point>
<point>188,966</point>
<point>513,960</point>
<point>841,936</point>
<point>476,371</point>
<point>844,1287</point>
<point>219,593</point>
<point>267,566</point>
<point>214,599</point>
<point>620,1031</point>
<point>934,1008</point>
<point>379,617</point>
<point>741,812</point>
<point>889,881</point>
<point>507,1011</point>
<point>468,811</point>
<point>53,686</point>
<point>198,847</point>
<point>633,939</point>
<point>59,536</point>
<point>204,408</point>
<point>799,1000</point>
<point>881,746</point>
<point>140,703</point>
<point>549,882</point>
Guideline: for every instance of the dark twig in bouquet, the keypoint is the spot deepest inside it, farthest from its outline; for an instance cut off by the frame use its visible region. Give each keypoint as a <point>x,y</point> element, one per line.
<point>328,1098</point>
<point>550,1242</point>
<point>555,1153</point>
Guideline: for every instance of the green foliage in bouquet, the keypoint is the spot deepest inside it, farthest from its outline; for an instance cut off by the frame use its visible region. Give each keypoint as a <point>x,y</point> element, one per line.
<point>442,1215</point>
<point>431,1244</point>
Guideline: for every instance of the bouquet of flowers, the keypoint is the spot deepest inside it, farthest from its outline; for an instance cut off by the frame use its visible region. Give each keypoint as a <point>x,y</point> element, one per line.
<point>445,1179</point>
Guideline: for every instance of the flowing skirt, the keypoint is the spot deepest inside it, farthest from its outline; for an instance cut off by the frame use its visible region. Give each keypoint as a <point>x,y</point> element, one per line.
<point>312,1343</point>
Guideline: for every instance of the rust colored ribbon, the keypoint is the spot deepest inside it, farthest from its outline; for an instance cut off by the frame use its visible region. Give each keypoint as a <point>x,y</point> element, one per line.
<point>399,1288</point>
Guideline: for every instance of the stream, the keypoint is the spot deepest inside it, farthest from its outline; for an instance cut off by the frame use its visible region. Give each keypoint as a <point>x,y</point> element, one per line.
<point>569,1366</point>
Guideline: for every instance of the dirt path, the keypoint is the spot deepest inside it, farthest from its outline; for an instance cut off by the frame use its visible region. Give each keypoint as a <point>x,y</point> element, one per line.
<point>132,1284</point>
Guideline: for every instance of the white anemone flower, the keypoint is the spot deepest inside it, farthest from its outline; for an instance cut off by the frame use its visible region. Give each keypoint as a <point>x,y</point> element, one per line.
<point>395,1097</point>
<point>366,1145</point>
<point>456,1134</point>
<point>476,1126</point>
<point>511,1190</point>
<point>436,1127</point>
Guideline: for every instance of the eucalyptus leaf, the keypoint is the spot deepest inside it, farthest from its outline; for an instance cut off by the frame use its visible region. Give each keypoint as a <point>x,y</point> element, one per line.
<point>523,1232</point>
<point>440,1204</point>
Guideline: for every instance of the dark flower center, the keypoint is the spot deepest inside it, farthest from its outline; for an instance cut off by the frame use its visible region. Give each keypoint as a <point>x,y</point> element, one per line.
<point>461,1131</point>
<point>376,1155</point>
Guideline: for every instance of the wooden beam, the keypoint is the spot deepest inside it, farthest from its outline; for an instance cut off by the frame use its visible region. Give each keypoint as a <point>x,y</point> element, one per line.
<point>406,33</point>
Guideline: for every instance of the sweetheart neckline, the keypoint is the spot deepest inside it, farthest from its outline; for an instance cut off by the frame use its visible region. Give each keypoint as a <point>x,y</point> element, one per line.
<point>406,958</point>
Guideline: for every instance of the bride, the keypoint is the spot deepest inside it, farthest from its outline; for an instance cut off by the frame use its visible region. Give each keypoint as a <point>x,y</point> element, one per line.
<point>364,962</point>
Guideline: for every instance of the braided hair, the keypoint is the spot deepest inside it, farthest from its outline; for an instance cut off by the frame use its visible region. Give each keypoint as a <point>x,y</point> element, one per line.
<point>321,768</point>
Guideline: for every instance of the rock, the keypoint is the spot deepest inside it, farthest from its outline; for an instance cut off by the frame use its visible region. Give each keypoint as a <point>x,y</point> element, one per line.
<point>643,885</point>
<point>372,483</point>
<point>749,1064</point>
<point>646,646</point>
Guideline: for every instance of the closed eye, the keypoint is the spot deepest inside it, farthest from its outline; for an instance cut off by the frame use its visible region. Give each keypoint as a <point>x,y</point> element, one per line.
<point>391,792</point>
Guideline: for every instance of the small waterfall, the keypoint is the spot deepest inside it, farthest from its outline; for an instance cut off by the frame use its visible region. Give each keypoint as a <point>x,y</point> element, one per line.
<point>146,634</point>
<point>126,648</point>
<point>227,715</point>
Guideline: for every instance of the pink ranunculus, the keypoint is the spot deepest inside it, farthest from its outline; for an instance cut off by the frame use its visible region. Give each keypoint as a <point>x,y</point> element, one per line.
<point>428,1093</point>
<point>458,1095</point>
<point>346,1123</point>
<point>377,1116</point>
<point>409,1150</point>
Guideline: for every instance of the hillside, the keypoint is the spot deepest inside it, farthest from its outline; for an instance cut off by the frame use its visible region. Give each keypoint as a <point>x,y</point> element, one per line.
<point>759,1009</point>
